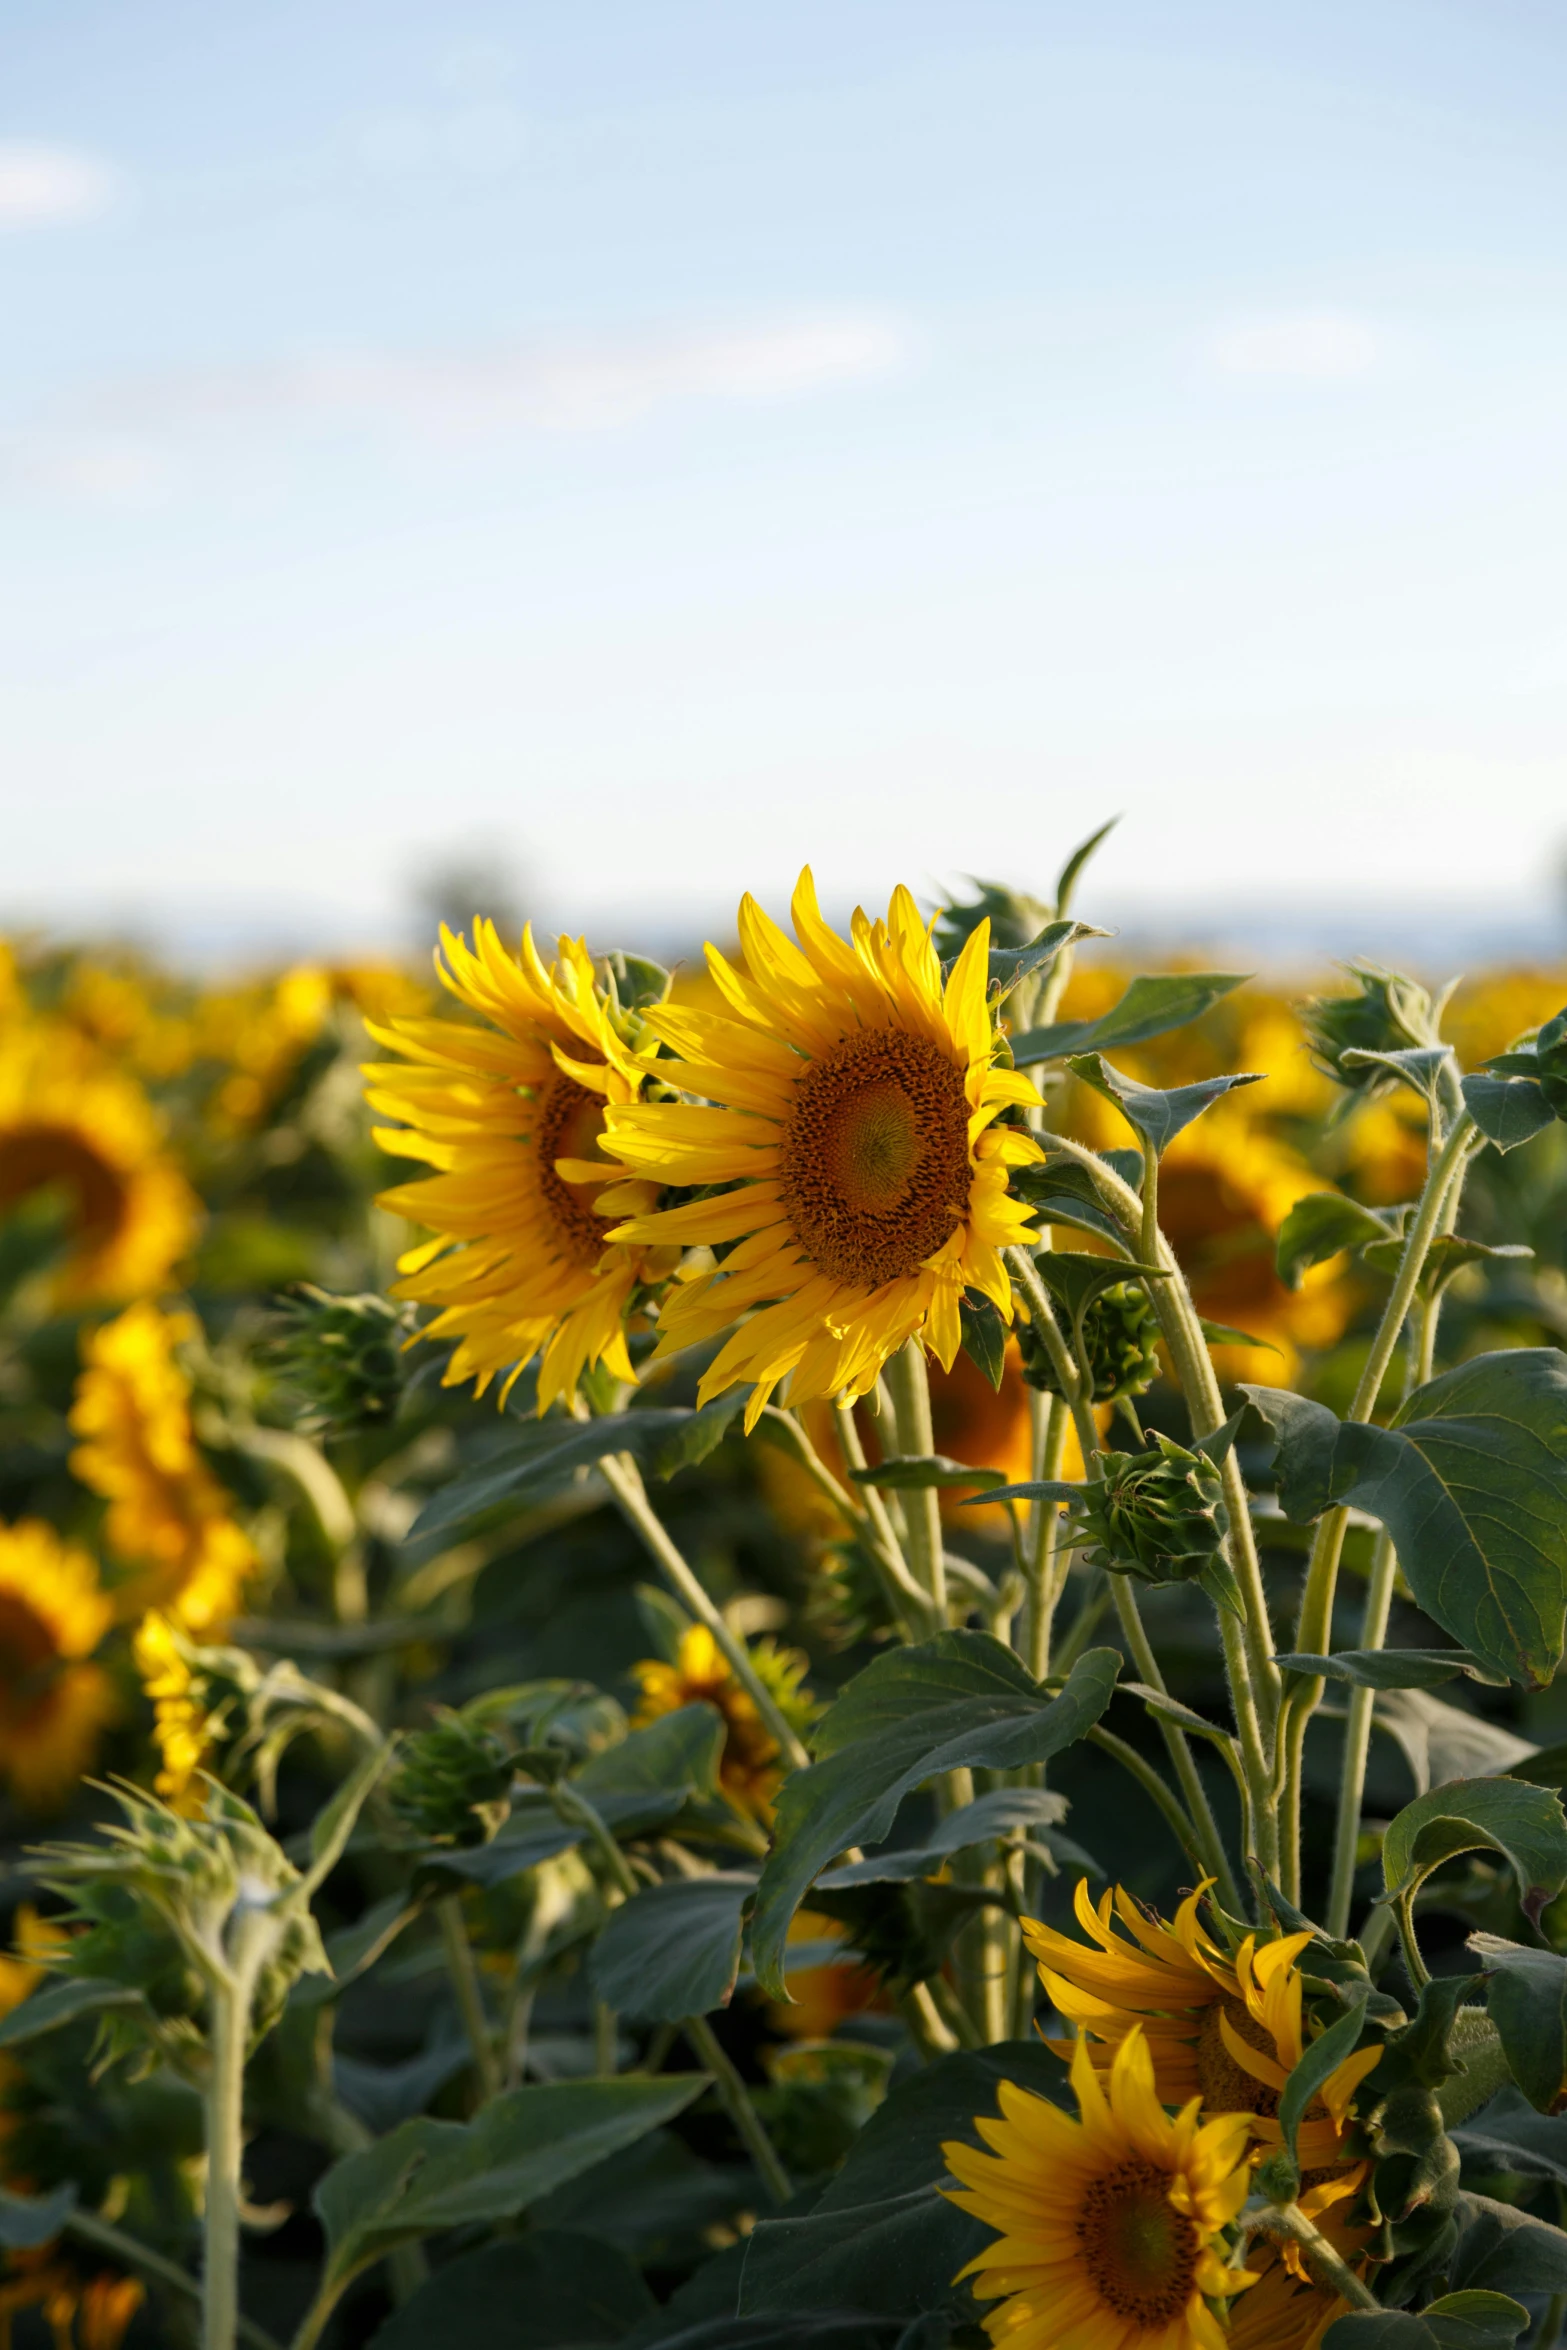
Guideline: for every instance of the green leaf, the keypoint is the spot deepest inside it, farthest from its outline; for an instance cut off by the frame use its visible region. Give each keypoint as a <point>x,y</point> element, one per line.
<point>1151,1006</point>
<point>1469,1481</point>
<point>1507,1110</point>
<point>1447,1256</point>
<point>1527,2002</point>
<point>1459,2321</point>
<point>1156,1115</point>
<point>47,2009</point>
<point>881,2237</point>
<point>917,1473</point>
<point>428,2175</point>
<point>1510,2136</point>
<point>1071,872</point>
<point>1075,1281</point>
<point>1320,2060</point>
<point>1323,1225</point>
<point>979,1822</point>
<point>1445,1742</point>
<point>334,1822</point>
<point>26,2221</point>
<point>1392,1668</point>
<point>1052,1204</point>
<point>1010,966</point>
<point>984,1334</point>
<point>1524,1824</point>
<point>551,2286</point>
<point>673,1950</point>
<point>962,1699</point>
<point>541,1459</point>
<point>1223,1334</point>
<point>1499,2245</point>
<point>702,1434</point>
<point>1418,1066</point>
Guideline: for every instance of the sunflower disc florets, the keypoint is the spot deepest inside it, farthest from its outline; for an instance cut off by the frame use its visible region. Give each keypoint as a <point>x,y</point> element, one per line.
<point>1389,1014</point>
<point>1120,1336</point>
<point>1158,1515</point>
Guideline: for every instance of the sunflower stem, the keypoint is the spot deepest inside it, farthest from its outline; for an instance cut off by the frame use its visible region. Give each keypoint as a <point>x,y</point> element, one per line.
<point>624,1479</point>
<point>131,2254</point>
<point>909,1604</point>
<point>1154,1787</point>
<point>1357,1739</point>
<point>230,1988</point>
<point>1044,1590</point>
<point>1314,1628</point>
<point>1288,2224</point>
<point>908,1383</point>
<point>736,2099</point>
<point>470,1996</point>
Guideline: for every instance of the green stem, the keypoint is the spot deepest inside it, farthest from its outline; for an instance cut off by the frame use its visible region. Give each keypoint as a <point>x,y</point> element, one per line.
<point>909,1604</point>
<point>1158,1793</point>
<point>1403,1908</point>
<point>908,1383</point>
<point>1357,1739</point>
<point>228,2030</point>
<point>1314,1631</point>
<point>1044,1532</point>
<point>470,1995</point>
<point>1290,2225</point>
<point>131,2254</point>
<point>624,1479</point>
<point>737,2103</point>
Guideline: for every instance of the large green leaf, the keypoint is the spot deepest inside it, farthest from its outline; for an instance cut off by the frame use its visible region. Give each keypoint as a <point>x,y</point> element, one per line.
<point>1501,2246</point>
<point>1151,1006</point>
<point>1509,2135</point>
<point>882,2237</point>
<point>1157,1115</point>
<point>541,1459</point>
<point>1010,966</point>
<point>429,2175</point>
<point>1527,2002</point>
<point>1322,1225</point>
<point>61,2003</point>
<point>1524,1824</point>
<point>960,1700</point>
<point>1444,1742</point>
<point>1507,1110</point>
<point>919,1472</point>
<point>1392,1668</point>
<point>1470,1481</point>
<point>1037,1809</point>
<point>673,1950</point>
<point>1458,2321</point>
<point>547,2290</point>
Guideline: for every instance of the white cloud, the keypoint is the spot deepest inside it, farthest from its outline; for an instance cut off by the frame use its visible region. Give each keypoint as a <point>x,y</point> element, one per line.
<point>1299,343</point>
<point>40,183</point>
<point>544,386</point>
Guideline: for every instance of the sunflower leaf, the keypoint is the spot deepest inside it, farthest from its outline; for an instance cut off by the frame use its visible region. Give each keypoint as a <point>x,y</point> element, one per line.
<point>1524,1824</point>
<point>1157,1115</point>
<point>1392,1668</point>
<point>1509,2135</point>
<point>1322,1225</point>
<point>962,1699</point>
<point>541,1459</point>
<point>1499,2245</point>
<point>984,1334</point>
<point>1527,2002</point>
<point>538,2291</point>
<point>673,1950</point>
<point>1316,2067</point>
<point>918,1472</point>
<point>1151,1006</point>
<point>1010,966</point>
<point>1507,1110</point>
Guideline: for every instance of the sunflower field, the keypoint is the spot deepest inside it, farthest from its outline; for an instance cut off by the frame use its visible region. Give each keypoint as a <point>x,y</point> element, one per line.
<point>852,1649</point>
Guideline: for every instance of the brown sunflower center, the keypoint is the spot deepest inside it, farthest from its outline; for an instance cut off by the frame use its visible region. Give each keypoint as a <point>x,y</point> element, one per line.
<point>874,1166</point>
<point>33,1156</point>
<point>1226,2086</point>
<point>1139,2250</point>
<point>568,1122</point>
<point>28,1659</point>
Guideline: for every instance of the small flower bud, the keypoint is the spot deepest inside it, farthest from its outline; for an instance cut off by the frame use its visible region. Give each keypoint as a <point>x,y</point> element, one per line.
<point>342,1358</point>
<point>453,1785</point>
<point>1120,1334</point>
<point>1276,2177</point>
<point>1389,1014</point>
<point>1157,1515</point>
<point>1015,918</point>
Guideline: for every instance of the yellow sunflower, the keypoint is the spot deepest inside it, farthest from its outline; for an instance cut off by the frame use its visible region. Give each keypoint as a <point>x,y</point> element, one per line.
<point>1111,2228</point>
<point>511,1114</point>
<point>180,1723</point>
<point>70,1120</point>
<point>168,1516</point>
<point>748,1770</point>
<point>848,1108</point>
<point>53,1703</point>
<point>1226,2030</point>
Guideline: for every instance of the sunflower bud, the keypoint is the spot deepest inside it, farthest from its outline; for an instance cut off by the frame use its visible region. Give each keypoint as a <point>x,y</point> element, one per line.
<point>1015,918</point>
<point>342,1358</point>
<point>1120,1333</point>
<point>1389,1014</point>
<point>1158,1515</point>
<point>1550,1051</point>
<point>453,1785</point>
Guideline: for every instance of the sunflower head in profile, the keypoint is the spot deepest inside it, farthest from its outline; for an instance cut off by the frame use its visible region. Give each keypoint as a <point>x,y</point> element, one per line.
<point>1111,2229</point>
<point>700,1673</point>
<point>510,1111</point>
<point>1225,2028</point>
<point>169,1518</point>
<point>842,1122</point>
<point>74,1125</point>
<point>54,1703</point>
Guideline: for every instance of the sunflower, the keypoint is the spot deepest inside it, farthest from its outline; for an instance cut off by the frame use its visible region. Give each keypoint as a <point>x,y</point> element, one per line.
<point>1286,2309</point>
<point>1226,2030</point>
<point>53,1703</point>
<point>71,1122</point>
<point>1111,2228</point>
<point>180,1722</point>
<point>512,1115</point>
<point>168,1515</point>
<point>847,1107</point>
<point>748,1771</point>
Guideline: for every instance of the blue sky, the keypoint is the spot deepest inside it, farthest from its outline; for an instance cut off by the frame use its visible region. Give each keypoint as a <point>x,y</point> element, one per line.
<point>655,444</point>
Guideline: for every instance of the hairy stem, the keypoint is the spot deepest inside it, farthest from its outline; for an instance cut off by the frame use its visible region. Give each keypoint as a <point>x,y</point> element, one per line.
<point>1050,1426</point>
<point>908,1383</point>
<point>737,2104</point>
<point>470,1996</point>
<point>1289,2225</point>
<point>133,2255</point>
<point>228,2030</point>
<point>624,1479</point>
<point>1357,1739</point>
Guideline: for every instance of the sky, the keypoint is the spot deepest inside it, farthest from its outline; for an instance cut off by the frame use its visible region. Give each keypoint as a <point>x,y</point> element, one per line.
<point>635,448</point>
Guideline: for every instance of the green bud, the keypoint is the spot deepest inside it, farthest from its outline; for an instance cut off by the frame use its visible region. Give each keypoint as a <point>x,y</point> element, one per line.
<point>453,1783</point>
<point>1389,1014</point>
<point>1015,919</point>
<point>1276,2177</point>
<point>1120,1335</point>
<point>1158,1515</point>
<point>1551,1056</point>
<point>342,1358</point>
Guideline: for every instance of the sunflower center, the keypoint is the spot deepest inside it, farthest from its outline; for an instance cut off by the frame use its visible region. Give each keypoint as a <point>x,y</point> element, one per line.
<point>1226,2086</point>
<point>1139,2250</point>
<point>568,1123</point>
<point>33,1156</point>
<point>874,1167</point>
<point>28,1658</point>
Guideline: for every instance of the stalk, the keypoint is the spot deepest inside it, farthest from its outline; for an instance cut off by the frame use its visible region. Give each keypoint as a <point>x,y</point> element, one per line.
<point>624,1479</point>
<point>135,2255</point>
<point>470,1996</point>
<point>1314,1631</point>
<point>909,1603</point>
<point>1290,2225</point>
<point>908,1383</point>
<point>1044,1590</point>
<point>229,2014</point>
